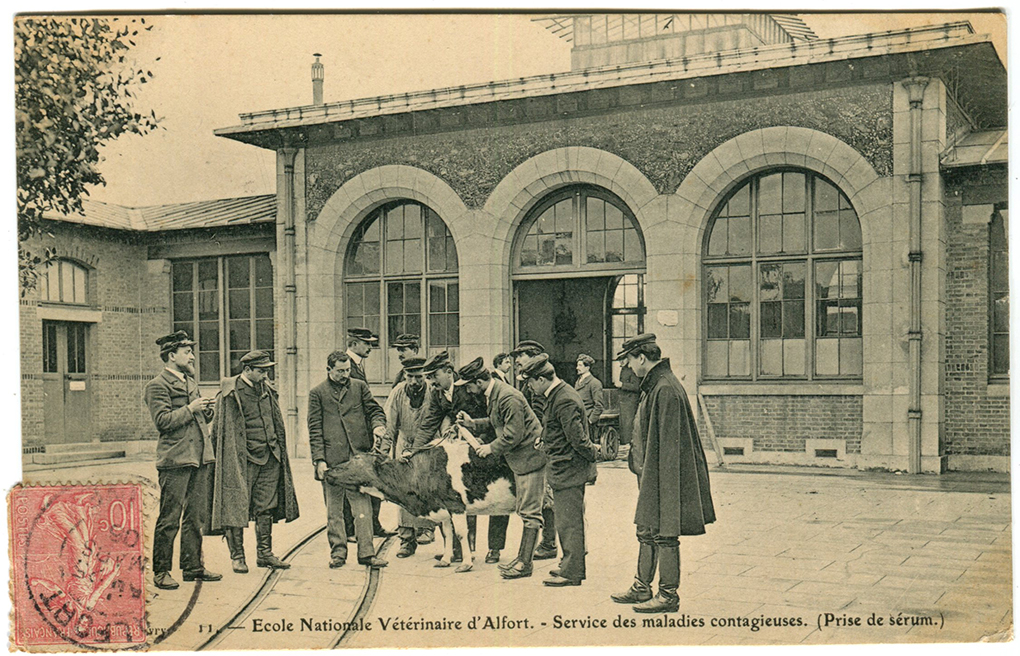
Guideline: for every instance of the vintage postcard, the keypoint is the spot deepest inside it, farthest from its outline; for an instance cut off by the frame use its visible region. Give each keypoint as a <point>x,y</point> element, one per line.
<point>420,330</point>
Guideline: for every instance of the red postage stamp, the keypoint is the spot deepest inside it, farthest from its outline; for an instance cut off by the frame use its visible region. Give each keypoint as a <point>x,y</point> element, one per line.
<point>77,565</point>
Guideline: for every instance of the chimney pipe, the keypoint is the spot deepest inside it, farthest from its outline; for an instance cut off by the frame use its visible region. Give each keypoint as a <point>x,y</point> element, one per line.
<point>318,73</point>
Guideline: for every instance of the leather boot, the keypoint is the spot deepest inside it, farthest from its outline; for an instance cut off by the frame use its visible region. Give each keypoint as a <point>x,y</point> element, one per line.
<point>641,589</point>
<point>264,544</point>
<point>235,543</point>
<point>408,543</point>
<point>547,548</point>
<point>522,567</point>
<point>667,601</point>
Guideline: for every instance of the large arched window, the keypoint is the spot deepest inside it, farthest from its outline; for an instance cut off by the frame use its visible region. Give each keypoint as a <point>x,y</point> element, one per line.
<point>782,272</point>
<point>400,276</point>
<point>580,227</point>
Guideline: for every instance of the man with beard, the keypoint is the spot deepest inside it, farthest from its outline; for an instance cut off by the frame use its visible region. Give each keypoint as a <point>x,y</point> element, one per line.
<point>442,403</point>
<point>403,410</point>
<point>407,347</point>
<point>673,491</point>
<point>343,421</point>
<point>184,461</point>
<point>571,454</point>
<point>526,353</point>
<point>517,431</point>
<point>253,480</point>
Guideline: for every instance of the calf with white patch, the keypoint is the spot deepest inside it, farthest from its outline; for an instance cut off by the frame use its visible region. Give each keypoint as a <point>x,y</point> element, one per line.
<point>444,482</point>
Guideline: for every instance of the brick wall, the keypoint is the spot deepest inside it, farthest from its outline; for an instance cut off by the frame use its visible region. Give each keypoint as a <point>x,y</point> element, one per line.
<point>977,422</point>
<point>133,298</point>
<point>783,423</point>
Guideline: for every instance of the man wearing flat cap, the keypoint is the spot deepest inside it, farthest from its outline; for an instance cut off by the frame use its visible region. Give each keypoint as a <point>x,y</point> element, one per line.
<point>526,353</point>
<point>674,498</point>
<point>253,481</point>
<point>571,455</point>
<point>517,429</point>
<point>589,388</point>
<point>443,400</point>
<point>403,410</point>
<point>359,346</point>
<point>184,461</point>
<point>406,346</point>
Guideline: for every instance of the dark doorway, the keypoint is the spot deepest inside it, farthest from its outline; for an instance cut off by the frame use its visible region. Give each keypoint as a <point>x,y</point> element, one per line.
<point>66,389</point>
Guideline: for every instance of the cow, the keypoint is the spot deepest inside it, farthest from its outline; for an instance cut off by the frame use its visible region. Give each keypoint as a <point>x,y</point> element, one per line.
<point>445,481</point>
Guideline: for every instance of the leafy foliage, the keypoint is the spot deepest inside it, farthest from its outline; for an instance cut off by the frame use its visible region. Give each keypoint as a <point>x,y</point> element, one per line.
<point>73,93</point>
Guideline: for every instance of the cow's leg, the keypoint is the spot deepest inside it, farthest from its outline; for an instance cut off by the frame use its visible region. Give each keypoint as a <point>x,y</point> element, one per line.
<point>446,526</point>
<point>460,525</point>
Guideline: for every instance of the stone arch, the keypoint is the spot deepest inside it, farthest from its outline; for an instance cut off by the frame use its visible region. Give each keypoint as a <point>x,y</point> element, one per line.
<point>532,180</point>
<point>749,153</point>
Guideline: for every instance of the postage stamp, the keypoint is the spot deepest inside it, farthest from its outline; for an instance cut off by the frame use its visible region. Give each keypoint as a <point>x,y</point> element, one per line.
<point>78,565</point>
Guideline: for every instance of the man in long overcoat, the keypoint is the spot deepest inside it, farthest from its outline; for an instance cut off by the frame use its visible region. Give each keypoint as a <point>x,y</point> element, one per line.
<point>344,420</point>
<point>674,498</point>
<point>253,481</point>
<point>571,454</point>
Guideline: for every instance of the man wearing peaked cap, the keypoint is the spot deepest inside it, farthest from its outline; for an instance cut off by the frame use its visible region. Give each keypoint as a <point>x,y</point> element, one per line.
<point>254,480</point>
<point>407,347</point>
<point>184,461</point>
<point>359,346</point>
<point>517,429</point>
<point>403,409</point>
<point>674,498</point>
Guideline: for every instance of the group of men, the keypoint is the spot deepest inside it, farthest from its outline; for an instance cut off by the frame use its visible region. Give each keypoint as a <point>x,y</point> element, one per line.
<point>233,451</point>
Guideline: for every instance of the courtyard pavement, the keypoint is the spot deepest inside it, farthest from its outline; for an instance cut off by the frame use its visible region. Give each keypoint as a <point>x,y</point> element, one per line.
<point>814,551</point>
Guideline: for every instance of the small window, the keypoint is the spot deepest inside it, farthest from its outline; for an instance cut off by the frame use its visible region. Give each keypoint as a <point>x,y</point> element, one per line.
<point>998,302</point>
<point>62,281</point>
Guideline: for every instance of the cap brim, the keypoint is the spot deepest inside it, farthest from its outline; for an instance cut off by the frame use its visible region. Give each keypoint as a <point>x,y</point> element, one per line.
<point>622,355</point>
<point>462,381</point>
<point>263,365</point>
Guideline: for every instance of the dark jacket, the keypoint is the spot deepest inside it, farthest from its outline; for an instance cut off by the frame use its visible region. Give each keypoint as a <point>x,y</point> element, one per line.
<point>357,370</point>
<point>674,496</point>
<point>438,413</point>
<point>230,502</point>
<point>183,436</point>
<point>565,439</point>
<point>590,391</point>
<point>536,403</point>
<point>516,428</point>
<point>341,420</point>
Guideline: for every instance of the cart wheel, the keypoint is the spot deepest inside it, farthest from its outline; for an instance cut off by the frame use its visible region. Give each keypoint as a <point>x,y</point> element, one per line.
<point>610,446</point>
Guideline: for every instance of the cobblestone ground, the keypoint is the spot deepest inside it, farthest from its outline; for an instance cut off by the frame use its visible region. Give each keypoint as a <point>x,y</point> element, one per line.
<point>929,556</point>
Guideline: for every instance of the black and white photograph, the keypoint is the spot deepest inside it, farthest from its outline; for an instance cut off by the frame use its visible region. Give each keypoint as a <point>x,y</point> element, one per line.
<point>507,328</point>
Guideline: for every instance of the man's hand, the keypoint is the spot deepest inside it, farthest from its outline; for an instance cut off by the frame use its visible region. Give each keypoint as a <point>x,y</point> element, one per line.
<point>200,404</point>
<point>484,450</point>
<point>379,431</point>
<point>320,470</point>
<point>464,419</point>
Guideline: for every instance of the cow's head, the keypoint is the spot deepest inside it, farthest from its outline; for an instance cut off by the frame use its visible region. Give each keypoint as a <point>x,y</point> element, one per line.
<point>359,470</point>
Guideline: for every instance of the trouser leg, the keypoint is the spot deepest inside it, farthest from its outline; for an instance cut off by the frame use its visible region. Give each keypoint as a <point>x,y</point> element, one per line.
<point>348,516</point>
<point>336,529</point>
<point>497,531</point>
<point>195,519</point>
<point>361,508</point>
<point>669,566</point>
<point>376,506</point>
<point>173,486</point>
<point>570,529</point>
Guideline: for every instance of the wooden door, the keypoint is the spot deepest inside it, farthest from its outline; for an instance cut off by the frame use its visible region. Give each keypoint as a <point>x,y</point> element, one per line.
<point>66,386</point>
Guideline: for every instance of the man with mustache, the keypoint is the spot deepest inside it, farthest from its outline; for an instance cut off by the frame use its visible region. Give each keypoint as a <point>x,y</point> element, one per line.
<point>184,460</point>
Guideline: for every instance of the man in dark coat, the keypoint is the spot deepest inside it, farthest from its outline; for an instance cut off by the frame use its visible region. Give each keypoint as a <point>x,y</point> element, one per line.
<point>589,388</point>
<point>253,481</point>
<point>524,354</point>
<point>571,455</point>
<point>517,429</point>
<point>674,498</point>
<point>184,461</point>
<point>443,401</point>
<point>344,420</point>
<point>407,346</point>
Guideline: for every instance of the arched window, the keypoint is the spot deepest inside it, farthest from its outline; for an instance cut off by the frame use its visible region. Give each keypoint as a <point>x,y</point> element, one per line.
<point>782,272</point>
<point>63,281</point>
<point>580,227</point>
<point>998,287</point>
<point>401,273</point>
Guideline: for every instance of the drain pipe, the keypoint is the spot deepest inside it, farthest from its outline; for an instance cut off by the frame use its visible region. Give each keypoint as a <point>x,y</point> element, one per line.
<point>290,290</point>
<point>915,88</point>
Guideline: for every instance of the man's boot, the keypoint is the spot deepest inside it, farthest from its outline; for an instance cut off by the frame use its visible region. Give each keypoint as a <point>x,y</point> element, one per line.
<point>667,601</point>
<point>408,543</point>
<point>521,568</point>
<point>264,544</point>
<point>641,589</point>
<point>235,543</point>
<point>547,548</point>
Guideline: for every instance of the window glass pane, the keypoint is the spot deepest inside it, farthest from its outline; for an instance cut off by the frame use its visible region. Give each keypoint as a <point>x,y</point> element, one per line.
<point>717,242</point>
<point>183,307</point>
<point>181,273</point>
<point>849,231</point>
<point>770,233</point>
<point>740,202</point>
<point>718,320</point>
<point>372,302</point>
<point>614,246</point>
<point>240,336</point>
<point>826,197</point>
<point>850,359</point>
<point>565,248</point>
<point>208,367</point>
<point>793,357</point>
<point>596,213</point>
<point>240,303</point>
<point>66,282</point>
<point>394,222</point>
<point>263,271</point>
<point>716,284</point>
<point>79,285</point>
<point>452,330</point>
<point>632,251</point>
<point>793,192</point>
<point>827,319</point>
<point>793,233</point>
<point>614,217</point>
<point>793,319</point>
<point>827,357</point>
<point>770,194</point>
<point>1000,354</point>
<point>740,320</point>
<point>769,289</point>
<point>264,302</point>
<point>1000,313</point>
<point>412,256</point>
<point>208,337</point>
<point>412,221</point>
<point>264,334</point>
<point>208,301</point>
<point>49,347</point>
<point>827,280</point>
<point>546,249</point>
<point>717,359</point>
<point>529,251</point>
<point>770,360</point>
<point>826,230</point>
<point>740,358</point>
<point>740,236</point>
<point>437,330</point>
<point>395,297</point>
<point>437,298</point>
<point>849,317</point>
<point>394,256</point>
<point>771,319</point>
<point>740,283</point>
<point>596,247</point>
<point>453,297</point>
<point>793,281</point>
<point>237,272</point>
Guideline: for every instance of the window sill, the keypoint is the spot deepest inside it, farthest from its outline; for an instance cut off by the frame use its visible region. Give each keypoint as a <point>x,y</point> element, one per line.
<point>781,389</point>
<point>998,388</point>
<point>81,313</point>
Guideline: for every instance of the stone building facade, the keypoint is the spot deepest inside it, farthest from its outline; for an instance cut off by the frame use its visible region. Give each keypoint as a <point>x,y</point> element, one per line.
<point>813,228</point>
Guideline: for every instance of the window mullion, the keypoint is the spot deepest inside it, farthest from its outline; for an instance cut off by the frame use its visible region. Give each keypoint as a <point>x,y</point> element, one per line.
<point>222,319</point>
<point>809,319</point>
<point>251,303</point>
<point>755,308</point>
<point>580,240</point>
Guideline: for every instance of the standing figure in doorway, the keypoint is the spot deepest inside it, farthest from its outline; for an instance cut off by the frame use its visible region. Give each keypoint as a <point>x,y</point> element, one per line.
<point>589,388</point>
